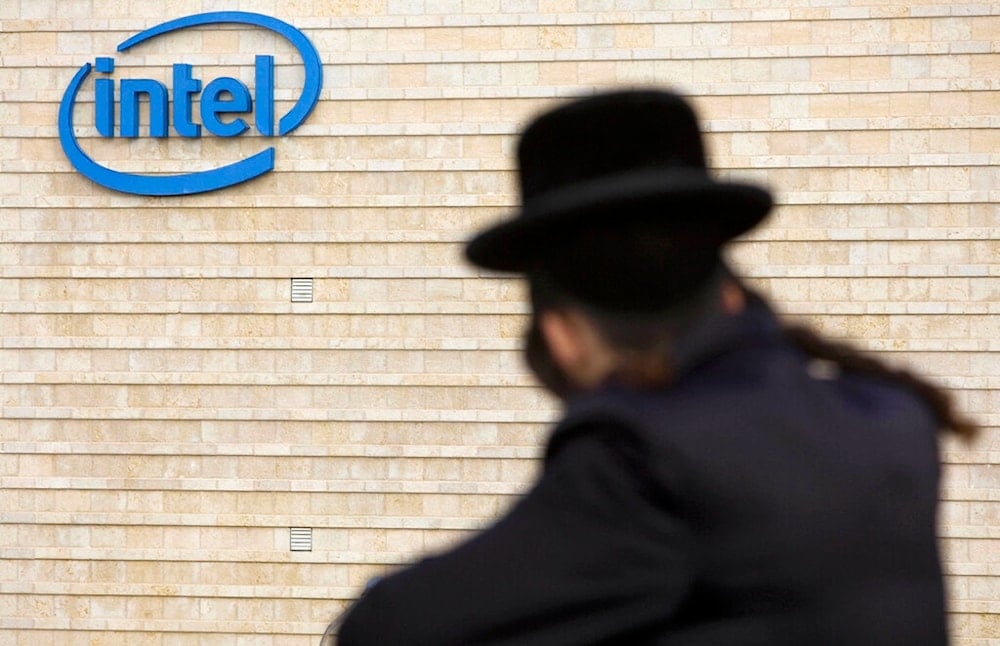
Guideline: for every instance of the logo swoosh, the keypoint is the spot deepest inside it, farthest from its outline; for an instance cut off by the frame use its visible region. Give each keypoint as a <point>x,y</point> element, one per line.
<point>200,181</point>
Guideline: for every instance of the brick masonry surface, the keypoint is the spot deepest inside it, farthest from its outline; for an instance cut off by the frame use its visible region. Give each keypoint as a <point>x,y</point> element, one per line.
<point>168,414</point>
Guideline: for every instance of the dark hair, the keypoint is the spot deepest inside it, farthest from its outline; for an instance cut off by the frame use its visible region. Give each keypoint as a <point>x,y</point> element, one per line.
<point>645,342</point>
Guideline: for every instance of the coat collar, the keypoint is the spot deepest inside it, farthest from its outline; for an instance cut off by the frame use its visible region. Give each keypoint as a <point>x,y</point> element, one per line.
<point>721,333</point>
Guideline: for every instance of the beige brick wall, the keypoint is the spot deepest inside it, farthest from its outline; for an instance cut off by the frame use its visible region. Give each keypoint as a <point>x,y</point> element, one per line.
<point>168,414</point>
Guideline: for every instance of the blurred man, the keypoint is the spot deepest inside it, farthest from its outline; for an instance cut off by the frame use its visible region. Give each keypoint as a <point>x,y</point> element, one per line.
<point>716,478</point>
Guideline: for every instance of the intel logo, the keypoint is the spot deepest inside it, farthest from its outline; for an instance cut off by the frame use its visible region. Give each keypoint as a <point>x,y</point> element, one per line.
<point>189,107</point>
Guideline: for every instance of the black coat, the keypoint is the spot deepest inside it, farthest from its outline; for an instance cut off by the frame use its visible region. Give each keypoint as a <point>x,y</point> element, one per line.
<point>759,500</point>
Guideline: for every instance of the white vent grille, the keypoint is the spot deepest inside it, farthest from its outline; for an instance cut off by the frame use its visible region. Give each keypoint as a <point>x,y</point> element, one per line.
<point>302,290</point>
<point>300,539</point>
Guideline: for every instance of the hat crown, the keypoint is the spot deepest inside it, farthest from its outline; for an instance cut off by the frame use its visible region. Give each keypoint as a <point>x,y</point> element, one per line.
<point>608,135</point>
<point>630,157</point>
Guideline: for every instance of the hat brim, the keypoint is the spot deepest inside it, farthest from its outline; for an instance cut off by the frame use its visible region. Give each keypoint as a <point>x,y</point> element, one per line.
<point>692,204</point>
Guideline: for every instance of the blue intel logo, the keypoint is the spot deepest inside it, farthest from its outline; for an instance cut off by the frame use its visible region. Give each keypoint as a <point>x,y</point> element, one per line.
<point>222,105</point>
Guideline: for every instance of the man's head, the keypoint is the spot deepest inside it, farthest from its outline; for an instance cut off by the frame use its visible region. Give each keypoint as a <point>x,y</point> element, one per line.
<point>572,346</point>
<point>620,220</point>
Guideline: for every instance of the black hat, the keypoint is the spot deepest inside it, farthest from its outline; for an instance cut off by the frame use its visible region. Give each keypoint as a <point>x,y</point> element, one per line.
<point>632,157</point>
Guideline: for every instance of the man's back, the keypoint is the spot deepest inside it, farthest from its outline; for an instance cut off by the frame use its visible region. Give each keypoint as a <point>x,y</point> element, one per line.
<point>811,494</point>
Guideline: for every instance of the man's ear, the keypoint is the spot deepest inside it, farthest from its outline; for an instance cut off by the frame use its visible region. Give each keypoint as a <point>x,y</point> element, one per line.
<point>576,347</point>
<point>564,337</point>
<point>732,298</point>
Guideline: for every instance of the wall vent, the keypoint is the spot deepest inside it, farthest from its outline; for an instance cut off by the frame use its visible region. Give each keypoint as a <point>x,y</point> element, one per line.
<point>302,290</point>
<point>300,539</point>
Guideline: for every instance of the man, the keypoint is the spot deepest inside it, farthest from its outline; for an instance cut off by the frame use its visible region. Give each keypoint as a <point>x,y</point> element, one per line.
<point>716,478</point>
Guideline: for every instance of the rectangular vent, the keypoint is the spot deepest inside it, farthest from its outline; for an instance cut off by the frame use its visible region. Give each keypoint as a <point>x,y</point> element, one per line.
<point>302,290</point>
<point>300,539</point>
